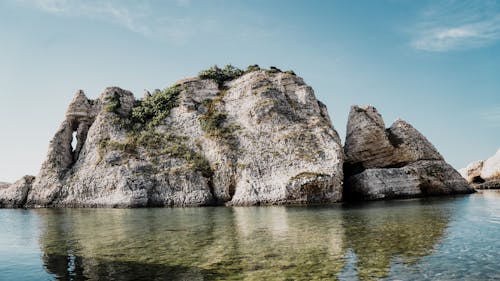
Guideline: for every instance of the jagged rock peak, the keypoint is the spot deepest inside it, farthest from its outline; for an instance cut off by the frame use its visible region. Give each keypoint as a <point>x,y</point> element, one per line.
<point>225,137</point>
<point>369,143</point>
<point>80,108</point>
<point>394,162</point>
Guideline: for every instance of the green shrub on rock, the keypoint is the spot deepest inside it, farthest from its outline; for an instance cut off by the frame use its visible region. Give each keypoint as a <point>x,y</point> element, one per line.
<point>221,75</point>
<point>274,69</point>
<point>253,67</point>
<point>113,102</point>
<point>154,109</point>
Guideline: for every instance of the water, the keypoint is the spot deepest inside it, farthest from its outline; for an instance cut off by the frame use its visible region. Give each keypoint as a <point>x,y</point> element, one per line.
<point>454,238</point>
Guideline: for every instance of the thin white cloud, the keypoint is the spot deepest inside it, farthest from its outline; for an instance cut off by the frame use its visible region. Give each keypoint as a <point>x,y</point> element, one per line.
<point>137,17</point>
<point>457,25</point>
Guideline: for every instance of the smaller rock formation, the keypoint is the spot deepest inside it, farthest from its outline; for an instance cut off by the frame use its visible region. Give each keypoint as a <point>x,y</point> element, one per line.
<point>397,162</point>
<point>483,174</point>
<point>15,195</point>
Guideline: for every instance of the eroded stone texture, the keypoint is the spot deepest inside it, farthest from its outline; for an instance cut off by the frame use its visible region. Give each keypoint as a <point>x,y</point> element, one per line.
<point>483,174</point>
<point>370,145</point>
<point>396,162</point>
<point>260,139</point>
<point>14,195</point>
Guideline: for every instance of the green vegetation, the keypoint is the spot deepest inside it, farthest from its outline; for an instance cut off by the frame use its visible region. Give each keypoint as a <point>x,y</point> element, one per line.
<point>113,102</point>
<point>273,69</point>
<point>253,67</point>
<point>221,75</point>
<point>229,72</point>
<point>157,145</point>
<point>213,122</point>
<point>152,110</point>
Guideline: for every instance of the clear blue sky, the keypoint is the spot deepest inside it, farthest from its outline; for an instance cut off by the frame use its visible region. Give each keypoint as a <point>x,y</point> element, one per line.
<point>435,64</point>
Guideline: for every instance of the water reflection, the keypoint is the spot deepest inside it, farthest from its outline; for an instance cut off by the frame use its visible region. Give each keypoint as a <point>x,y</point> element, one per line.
<point>279,243</point>
<point>401,232</point>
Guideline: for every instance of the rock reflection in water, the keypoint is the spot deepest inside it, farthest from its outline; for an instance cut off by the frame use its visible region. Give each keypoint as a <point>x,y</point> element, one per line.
<point>255,243</point>
<point>124,244</point>
<point>384,232</point>
<point>290,242</point>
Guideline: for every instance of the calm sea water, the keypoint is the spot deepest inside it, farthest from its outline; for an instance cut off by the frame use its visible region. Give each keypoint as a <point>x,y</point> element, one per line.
<point>455,238</point>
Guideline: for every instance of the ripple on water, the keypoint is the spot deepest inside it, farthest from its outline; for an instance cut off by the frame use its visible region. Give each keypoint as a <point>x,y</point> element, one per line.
<point>425,239</point>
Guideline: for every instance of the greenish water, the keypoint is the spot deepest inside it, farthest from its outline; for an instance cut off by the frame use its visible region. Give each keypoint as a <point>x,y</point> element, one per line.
<point>454,238</point>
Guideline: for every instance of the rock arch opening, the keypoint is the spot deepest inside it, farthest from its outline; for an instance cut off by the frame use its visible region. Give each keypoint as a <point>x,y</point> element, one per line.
<point>79,132</point>
<point>74,142</point>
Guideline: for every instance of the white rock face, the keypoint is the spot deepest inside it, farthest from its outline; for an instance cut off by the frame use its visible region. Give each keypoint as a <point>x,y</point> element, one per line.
<point>397,162</point>
<point>491,167</point>
<point>483,174</point>
<point>472,171</point>
<point>260,139</point>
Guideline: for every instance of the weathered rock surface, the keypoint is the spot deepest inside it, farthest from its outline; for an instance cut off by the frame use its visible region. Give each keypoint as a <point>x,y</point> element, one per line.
<point>15,195</point>
<point>396,162</point>
<point>483,174</point>
<point>232,138</point>
<point>262,138</point>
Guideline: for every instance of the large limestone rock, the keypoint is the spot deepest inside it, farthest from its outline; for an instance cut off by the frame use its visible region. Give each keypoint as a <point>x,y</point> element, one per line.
<point>483,174</point>
<point>15,195</point>
<point>396,162</point>
<point>262,138</point>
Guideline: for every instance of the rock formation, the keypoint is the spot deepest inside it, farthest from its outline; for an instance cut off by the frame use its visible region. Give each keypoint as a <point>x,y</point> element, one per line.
<point>484,174</point>
<point>227,137</point>
<point>257,138</point>
<point>15,195</point>
<point>396,162</point>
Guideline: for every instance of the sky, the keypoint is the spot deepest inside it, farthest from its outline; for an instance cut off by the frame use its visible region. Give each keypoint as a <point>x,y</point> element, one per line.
<point>435,64</point>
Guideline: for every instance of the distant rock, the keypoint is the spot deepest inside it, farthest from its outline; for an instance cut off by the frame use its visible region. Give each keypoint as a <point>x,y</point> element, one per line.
<point>15,195</point>
<point>484,174</point>
<point>397,162</point>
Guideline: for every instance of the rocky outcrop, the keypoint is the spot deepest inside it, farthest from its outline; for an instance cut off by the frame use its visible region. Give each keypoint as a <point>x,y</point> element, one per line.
<point>397,162</point>
<point>15,195</point>
<point>227,137</point>
<point>483,174</point>
<point>260,138</point>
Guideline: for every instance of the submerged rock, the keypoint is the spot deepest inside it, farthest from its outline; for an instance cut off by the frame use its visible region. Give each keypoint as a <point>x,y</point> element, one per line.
<point>483,174</point>
<point>396,162</point>
<point>15,195</point>
<point>261,138</point>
